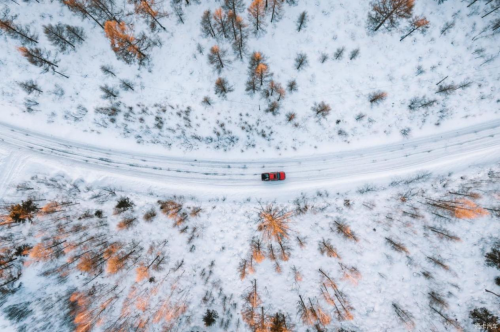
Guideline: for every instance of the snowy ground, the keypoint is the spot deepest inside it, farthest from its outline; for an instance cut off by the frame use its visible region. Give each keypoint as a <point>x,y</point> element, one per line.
<point>222,232</point>
<point>165,108</point>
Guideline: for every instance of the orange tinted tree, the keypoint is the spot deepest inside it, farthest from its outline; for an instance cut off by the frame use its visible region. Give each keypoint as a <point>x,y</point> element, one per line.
<point>257,12</point>
<point>123,43</point>
<point>146,9</point>
<point>390,12</point>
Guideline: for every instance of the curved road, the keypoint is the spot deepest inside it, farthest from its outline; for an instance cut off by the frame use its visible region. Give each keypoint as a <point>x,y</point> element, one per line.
<point>459,147</point>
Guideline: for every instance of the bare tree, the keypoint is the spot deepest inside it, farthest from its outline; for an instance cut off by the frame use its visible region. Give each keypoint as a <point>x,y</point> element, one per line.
<point>274,222</point>
<point>377,97</point>
<point>322,109</point>
<point>390,12</point>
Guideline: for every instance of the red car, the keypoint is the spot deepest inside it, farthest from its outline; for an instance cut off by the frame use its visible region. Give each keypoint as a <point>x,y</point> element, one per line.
<point>275,176</point>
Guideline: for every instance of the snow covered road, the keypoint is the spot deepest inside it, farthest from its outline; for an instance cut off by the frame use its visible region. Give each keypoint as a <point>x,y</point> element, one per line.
<point>447,151</point>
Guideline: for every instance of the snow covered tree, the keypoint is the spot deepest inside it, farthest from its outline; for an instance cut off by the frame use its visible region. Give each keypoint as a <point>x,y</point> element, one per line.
<point>276,8</point>
<point>493,257</point>
<point>75,34</point>
<point>149,11</point>
<point>222,87</point>
<point>221,22</point>
<point>103,9</point>
<point>339,53</point>
<point>81,8</point>
<point>417,23</point>
<point>292,86</point>
<point>57,35</point>
<point>354,54</point>
<point>389,12</point>
<point>236,6</point>
<point>301,61</point>
<point>207,26</point>
<point>178,10</point>
<point>108,70</point>
<point>39,58</point>
<point>302,21</point>
<point>16,31</point>
<point>30,87</point>
<point>241,35</point>
<point>218,58</point>
<point>109,92</point>
<point>257,13</point>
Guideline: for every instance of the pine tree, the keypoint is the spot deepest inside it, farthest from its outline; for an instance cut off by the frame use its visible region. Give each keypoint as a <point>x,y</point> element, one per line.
<point>493,258</point>
<point>222,87</point>
<point>207,27</point>
<point>221,22</point>
<point>302,21</point>
<point>74,34</point>
<point>236,6</point>
<point>124,44</point>
<point>276,8</point>
<point>262,74</point>
<point>218,58</point>
<point>301,61</point>
<point>240,43</point>
<point>148,9</point>
<point>39,58</point>
<point>389,12</point>
<point>81,8</point>
<point>417,23</point>
<point>16,31</point>
<point>210,317</point>
<point>30,87</point>
<point>257,13</point>
<point>57,35</point>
